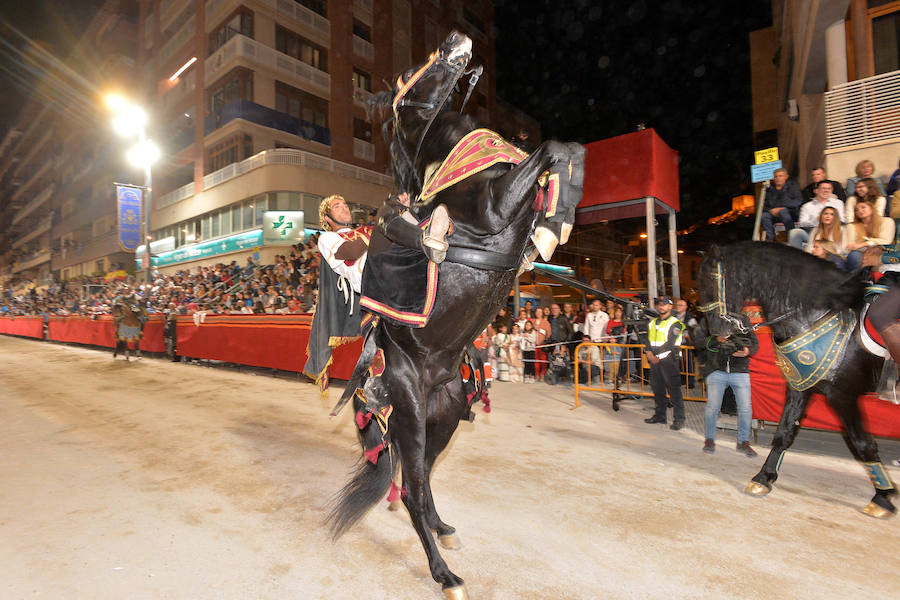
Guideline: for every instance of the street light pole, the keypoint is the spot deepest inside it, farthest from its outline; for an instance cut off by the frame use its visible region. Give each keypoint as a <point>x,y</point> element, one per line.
<point>148,205</point>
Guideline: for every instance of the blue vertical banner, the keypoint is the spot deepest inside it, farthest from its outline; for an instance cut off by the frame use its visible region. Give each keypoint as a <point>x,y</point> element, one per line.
<point>129,202</point>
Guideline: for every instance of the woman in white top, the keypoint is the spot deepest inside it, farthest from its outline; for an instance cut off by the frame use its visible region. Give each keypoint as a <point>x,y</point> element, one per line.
<point>529,341</point>
<point>826,240</point>
<point>866,189</point>
<point>868,230</point>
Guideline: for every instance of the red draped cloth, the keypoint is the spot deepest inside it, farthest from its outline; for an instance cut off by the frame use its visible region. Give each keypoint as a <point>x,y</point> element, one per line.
<point>768,392</point>
<point>24,326</point>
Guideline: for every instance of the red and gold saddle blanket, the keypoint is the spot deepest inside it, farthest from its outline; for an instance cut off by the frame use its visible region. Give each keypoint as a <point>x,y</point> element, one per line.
<point>477,151</point>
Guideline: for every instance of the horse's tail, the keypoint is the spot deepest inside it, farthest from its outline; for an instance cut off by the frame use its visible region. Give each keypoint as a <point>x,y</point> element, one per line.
<point>371,479</point>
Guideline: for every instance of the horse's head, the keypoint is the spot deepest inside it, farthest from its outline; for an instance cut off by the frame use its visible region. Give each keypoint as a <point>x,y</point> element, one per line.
<point>419,95</point>
<point>721,317</point>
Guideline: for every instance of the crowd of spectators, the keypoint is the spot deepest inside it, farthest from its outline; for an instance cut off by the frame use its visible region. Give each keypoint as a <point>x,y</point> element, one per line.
<point>837,223</point>
<point>288,286</point>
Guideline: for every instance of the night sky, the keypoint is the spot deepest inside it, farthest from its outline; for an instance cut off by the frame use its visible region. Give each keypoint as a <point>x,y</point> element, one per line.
<point>592,70</point>
<point>586,70</point>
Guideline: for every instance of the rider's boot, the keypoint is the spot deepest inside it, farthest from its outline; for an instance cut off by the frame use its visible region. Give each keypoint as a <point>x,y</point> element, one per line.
<point>430,241</point>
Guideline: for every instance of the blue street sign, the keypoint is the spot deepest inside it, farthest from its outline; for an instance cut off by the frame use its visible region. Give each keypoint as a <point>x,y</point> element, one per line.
<point>764,171</point>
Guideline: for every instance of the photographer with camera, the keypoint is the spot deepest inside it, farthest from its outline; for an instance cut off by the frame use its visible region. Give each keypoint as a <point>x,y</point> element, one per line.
<point>727,363</point>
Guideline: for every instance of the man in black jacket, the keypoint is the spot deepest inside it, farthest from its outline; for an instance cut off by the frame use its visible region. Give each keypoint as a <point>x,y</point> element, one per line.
<point>782,204</point>
<point>728,359</point>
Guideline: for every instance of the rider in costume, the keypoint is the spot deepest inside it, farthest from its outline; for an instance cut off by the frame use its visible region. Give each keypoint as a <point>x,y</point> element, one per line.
<point>344,251</point>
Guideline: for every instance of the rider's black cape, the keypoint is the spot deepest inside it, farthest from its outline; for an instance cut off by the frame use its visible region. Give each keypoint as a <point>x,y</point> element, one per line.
<point>336,322</point>
<point>399,284</point>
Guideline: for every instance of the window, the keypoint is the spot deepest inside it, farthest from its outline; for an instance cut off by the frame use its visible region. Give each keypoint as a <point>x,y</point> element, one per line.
<point>317,6</point>
<point>295,46</point>
<point>239,23</point>
<point>100,266</point>
<point>362,80</point>
<point>886,42</point>
<point>236,85</point>
<point>300,104</point>
<point>236,218</point>
<point>231,150</point>
<point>362,130</point>
<point>362,31</point>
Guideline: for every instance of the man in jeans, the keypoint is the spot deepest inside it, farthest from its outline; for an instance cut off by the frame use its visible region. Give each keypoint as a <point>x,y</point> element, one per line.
<point>731,357</point>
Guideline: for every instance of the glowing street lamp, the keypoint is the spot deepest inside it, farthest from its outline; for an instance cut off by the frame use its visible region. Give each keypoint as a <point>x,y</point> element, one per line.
<point>129,120</point>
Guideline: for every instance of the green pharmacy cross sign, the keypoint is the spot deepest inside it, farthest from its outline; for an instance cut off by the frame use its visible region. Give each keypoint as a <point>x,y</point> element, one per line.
<point>283,226</point>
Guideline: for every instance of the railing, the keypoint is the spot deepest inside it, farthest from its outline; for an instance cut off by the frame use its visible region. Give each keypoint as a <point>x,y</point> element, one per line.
<point>363,48</point>
<point>32,260</point>
<point>34,204</point>
<point>24,187</point>
<point>241,46</point>
<point>43,226</point>
<point>624,371</point>
<point>175,196</point>
<point>289,156</point>
<point>863,111</point>
<point>364,150</point>
<point>178,40</point>
<point>300,13</point>
<point>267,117</point>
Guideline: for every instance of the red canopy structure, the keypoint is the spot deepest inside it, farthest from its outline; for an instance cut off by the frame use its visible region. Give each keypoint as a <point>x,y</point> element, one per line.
<point>628,176</point>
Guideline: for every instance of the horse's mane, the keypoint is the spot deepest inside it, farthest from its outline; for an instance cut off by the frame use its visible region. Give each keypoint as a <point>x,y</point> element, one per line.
<point>782,278</point>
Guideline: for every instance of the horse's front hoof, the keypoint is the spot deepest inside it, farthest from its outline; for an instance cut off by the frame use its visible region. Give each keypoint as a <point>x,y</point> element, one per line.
<point>451,542</point>
<point>754,488</point>
<point>879,512</point>
<point>456,593</point>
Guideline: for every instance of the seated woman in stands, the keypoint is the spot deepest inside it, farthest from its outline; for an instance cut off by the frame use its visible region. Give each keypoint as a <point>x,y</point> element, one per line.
<point>868,230</point>
<point>826,240</point>
<point>866,189</point>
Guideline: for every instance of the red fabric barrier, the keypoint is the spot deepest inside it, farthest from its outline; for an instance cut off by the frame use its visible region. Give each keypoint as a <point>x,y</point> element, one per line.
<point>768,386</point>
<point>273,341</point>
<point>99,332</point>
<point>626,168</point>
<point>25,326</point>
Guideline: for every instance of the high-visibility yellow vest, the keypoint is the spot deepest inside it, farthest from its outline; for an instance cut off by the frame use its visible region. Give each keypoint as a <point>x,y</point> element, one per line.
<point>658,333</point>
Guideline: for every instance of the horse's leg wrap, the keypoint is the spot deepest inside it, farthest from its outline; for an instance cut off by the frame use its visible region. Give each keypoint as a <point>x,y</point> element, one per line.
<point>878,476</point>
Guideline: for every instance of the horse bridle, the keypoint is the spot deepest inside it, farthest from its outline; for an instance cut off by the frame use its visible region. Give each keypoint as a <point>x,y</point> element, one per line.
<point>400,100</point>
<point>730,318</point>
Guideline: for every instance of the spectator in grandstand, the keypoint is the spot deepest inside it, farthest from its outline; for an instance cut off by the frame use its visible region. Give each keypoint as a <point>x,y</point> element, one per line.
<point>865,191</point>
<point>864,169</point>
<point>868,230</point>
<point>826,240</point>
<point>809,213</point>
<point>782,204</point>
<point>819,174</point>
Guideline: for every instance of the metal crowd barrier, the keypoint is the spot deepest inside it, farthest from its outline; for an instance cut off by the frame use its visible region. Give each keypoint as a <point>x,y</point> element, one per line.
<point>625,370</point>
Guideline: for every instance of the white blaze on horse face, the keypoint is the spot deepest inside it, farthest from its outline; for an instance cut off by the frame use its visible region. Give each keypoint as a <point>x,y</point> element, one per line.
<point>462,51</point>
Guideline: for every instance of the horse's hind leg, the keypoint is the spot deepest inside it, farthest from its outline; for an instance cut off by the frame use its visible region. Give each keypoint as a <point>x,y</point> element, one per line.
<point>440,427</point>
<point>862,445</point>
<point>408,434</point>
<point>794,408</point>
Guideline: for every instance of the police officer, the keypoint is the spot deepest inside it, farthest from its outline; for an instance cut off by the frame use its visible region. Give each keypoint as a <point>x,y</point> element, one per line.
<point>663,350</point>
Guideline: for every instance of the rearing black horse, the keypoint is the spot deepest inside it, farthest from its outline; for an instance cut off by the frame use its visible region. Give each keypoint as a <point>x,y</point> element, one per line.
<point>807,301</point>
<point>497,214</point>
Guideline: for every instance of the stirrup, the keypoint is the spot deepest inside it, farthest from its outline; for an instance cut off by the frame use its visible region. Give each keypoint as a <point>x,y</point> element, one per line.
<point>433,244</point>
<point>888,382</point>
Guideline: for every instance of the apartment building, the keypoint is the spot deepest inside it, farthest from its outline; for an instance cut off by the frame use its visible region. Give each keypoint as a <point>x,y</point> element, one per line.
<point>825,81</point>
<point>58,163</point>
<point>259,107</point>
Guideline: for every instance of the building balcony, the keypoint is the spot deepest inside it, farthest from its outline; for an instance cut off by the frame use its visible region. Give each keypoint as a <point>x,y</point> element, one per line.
<point>267,117</point>
<point>363,49</point>
<point>288,156</point>
<point>18,197</point>
<point>96,248</point>
<point>42,226</point>
<point>175,196</point>
<point>298,12</point>
<point>178,40</point>
<point>364,150</point>
<point>31,261</point>
<point>864,111</point>
<point>34,204</point>
<point>256,54</point>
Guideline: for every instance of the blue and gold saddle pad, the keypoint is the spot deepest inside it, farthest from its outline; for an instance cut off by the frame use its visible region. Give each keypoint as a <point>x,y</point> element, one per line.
<point>806,358</point>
